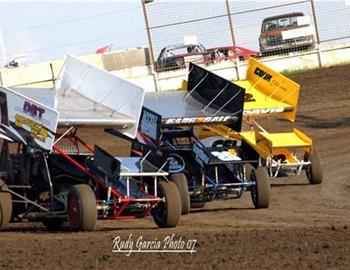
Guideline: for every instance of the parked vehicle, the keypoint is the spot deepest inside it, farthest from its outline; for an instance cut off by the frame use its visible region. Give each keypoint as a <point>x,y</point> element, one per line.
<point>180,55</point>
<point>231,53</point>
<point>285,33</point>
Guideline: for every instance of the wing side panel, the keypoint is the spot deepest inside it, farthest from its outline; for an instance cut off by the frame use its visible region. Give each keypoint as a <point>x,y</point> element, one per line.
<point>274,85</point>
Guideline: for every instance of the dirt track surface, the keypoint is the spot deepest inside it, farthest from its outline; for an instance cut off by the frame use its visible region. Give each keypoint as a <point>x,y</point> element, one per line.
<point>306,227</point>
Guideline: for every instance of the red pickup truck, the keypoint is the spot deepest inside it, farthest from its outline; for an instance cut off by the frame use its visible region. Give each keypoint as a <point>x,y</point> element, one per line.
<point>285,33</point>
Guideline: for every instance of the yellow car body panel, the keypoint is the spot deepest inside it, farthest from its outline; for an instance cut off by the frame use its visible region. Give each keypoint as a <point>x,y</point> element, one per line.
<point>270,144</point>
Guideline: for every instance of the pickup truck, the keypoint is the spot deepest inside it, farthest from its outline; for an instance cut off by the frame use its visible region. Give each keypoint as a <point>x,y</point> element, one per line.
<point>285,33</point>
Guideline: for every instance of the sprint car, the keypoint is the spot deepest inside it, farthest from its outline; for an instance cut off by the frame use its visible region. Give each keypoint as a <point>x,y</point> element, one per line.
<point>269,93</point>
<point>211,168</point>
<point>283,153</point>
<point>54,177</point>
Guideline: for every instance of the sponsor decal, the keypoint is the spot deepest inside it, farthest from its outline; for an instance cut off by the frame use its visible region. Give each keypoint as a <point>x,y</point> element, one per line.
<point>33,109</point>
<point>37,131</point>
<point>197,120</point>
<point>264,111</point>
<point>263,74</point>
<point>225,156</point>
<point>176,163</point>
<point>269,78</point>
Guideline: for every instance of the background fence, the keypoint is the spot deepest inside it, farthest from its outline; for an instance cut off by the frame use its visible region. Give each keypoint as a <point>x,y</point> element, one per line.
<point>232,22</point>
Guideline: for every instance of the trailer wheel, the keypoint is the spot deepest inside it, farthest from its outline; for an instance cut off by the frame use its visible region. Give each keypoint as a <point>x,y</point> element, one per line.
<point>5,206</point>
<point>82,210</point>
<point>261,191</point>
<point>197,205</point>
<point>167,214</point>
<point>180,181</point>
<point>314,171</point>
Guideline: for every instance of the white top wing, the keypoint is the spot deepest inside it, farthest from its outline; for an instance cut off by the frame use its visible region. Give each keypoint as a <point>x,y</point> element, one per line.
<point>88,96</point>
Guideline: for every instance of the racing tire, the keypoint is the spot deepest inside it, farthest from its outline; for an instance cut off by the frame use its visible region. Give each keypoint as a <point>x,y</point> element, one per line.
<point>5,206</point>
<point>314,171</point>
<point>167,213</point>
<point>180,181</point>
<point>82,210</point>
<point>197,205</point>
<point>261,191</point>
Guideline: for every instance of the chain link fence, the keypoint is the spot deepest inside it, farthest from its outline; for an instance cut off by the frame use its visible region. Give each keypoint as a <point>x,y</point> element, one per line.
<point>232,30</point>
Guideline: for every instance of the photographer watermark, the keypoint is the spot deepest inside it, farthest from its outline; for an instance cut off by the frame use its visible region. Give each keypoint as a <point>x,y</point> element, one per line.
<point>169,244</point>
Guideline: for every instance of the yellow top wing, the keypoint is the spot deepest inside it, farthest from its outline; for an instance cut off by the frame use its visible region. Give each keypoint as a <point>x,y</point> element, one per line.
<point>269,92</point>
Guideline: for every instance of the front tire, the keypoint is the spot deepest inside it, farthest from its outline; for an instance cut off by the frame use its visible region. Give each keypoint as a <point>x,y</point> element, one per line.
<point>180,181</point>
<point>261,191</point>
<point>82,210</point>
<point>167,214</point>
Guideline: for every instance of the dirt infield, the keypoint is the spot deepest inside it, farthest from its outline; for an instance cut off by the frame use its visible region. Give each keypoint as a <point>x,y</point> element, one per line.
<point>306,227</point>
